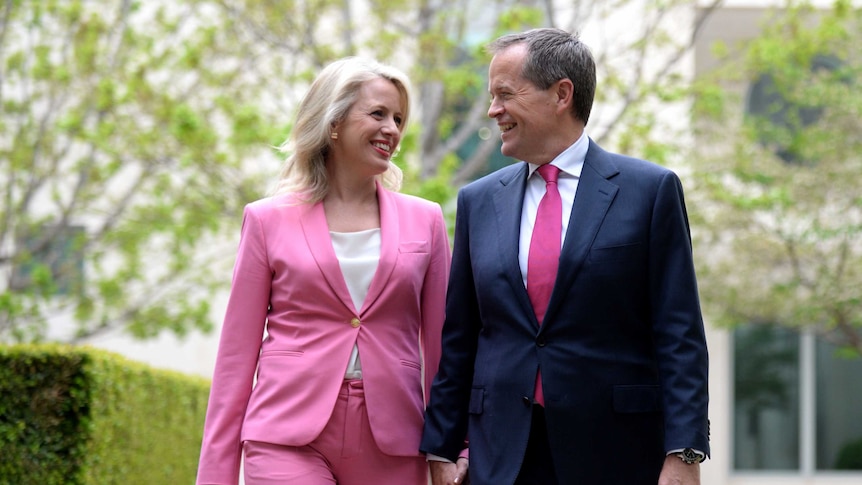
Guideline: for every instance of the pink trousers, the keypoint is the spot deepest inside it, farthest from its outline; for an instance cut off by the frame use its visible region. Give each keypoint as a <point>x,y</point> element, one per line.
<point>344,454</point>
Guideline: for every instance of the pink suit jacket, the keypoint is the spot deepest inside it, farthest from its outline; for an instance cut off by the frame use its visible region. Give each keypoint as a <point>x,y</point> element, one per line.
<point>287,286</point>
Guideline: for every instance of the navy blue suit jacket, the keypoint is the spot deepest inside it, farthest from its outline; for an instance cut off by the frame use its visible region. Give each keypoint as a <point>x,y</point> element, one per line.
<point>622,348</point>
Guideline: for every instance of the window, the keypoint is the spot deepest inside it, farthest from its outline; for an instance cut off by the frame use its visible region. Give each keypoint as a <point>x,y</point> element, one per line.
<point>766,398</point>
<point>838,409</point>
<point>797,402</point>
<point>785,120</point>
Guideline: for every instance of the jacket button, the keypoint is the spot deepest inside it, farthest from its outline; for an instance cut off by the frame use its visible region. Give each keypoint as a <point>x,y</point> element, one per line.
<point>355,322</point>
<point>527,401</point>
<point>540,341</point>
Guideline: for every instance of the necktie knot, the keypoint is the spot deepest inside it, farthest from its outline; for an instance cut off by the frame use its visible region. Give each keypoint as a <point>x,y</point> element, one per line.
<point>549,172</point>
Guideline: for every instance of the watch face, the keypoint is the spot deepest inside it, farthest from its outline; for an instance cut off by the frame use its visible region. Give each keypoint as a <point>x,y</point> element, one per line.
<point>689,456</point>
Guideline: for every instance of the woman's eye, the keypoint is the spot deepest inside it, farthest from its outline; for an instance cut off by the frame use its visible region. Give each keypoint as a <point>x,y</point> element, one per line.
<point>399,120</point>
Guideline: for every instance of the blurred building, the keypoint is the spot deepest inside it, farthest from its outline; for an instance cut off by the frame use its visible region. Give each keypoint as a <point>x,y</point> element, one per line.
<point>790,409</point>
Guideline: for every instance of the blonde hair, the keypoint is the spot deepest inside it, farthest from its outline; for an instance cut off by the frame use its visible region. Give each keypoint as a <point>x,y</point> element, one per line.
<point>328,100</point>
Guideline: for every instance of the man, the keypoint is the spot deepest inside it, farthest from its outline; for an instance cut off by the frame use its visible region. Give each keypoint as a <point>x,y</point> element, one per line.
<point>580,360</point>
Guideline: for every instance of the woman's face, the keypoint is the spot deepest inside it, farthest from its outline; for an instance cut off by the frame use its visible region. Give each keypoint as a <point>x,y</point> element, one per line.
<point>370,131</point>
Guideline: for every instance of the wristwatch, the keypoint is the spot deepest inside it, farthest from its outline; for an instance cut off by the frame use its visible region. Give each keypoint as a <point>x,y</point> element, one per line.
<point>690,456</point>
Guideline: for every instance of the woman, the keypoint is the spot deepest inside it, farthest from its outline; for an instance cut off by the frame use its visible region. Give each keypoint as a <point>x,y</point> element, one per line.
<point>336,305</point>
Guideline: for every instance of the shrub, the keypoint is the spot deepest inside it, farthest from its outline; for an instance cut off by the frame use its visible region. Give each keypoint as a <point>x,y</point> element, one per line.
<point>81,416</point>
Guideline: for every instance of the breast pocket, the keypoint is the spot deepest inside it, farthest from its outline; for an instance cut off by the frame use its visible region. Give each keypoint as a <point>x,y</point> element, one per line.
<point>414,247</point>
<point>619,252</point>
<point>413,260</point>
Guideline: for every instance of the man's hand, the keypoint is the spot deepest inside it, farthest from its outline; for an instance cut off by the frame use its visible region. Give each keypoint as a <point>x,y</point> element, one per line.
<point>448,473</point>
<point>677,472</point>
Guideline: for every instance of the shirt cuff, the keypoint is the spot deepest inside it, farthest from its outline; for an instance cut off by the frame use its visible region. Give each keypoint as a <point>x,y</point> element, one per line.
<point>433,457</point>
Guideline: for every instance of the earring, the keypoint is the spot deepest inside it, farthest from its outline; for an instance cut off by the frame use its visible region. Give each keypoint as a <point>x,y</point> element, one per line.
<point>333,135</point>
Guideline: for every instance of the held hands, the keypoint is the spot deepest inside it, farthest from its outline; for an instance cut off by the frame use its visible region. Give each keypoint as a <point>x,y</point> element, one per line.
<point>448,473</point>
<point>673,472</point>
<point>677,472</point>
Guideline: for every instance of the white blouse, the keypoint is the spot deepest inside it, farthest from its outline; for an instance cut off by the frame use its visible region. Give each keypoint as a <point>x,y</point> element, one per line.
<point>358,254</point>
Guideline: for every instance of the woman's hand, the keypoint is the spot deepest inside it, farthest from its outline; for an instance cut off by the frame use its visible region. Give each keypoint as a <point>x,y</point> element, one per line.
<point>448,473</point>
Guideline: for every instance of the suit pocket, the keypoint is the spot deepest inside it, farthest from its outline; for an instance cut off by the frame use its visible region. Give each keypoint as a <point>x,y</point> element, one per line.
<point>414,247</point>
<point>281,353</point>
<point>477,400</point>
<point>637,398</point>
<point>412,365</point>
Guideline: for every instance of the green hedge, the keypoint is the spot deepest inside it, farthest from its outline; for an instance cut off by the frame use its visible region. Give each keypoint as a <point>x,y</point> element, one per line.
<point>81,416</point>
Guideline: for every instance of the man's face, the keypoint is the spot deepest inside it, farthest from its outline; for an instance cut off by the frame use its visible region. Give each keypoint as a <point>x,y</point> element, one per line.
<point>525,114</point>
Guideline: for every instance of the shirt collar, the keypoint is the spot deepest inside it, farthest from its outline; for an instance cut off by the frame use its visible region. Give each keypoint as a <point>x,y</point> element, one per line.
<point>571,160</point>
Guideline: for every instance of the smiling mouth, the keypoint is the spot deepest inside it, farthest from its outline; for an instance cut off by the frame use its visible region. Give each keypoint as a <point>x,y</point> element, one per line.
<point>506,127</point>
<point>382,146</point>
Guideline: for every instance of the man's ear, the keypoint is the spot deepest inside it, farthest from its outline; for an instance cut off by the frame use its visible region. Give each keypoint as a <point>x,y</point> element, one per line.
<point>564,91</point>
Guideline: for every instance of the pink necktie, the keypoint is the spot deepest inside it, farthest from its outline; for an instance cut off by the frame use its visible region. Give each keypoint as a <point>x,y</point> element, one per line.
<point>544,256</point>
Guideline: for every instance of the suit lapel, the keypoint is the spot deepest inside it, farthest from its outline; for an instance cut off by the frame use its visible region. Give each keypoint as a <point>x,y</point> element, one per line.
<point>592,201</point>
<point>390,236</point>
<point>508,203</point>
<point>316,231</point>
